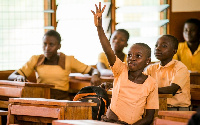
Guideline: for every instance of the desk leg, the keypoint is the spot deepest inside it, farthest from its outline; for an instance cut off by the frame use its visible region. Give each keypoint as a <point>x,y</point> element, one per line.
<point>163,104</point>
<point>10,118</point>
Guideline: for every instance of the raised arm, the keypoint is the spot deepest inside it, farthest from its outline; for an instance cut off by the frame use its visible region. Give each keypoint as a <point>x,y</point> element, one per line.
<point>102,37</point>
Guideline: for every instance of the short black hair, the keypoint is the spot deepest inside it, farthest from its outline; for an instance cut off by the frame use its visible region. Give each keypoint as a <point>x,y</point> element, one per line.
<point>53,33</point>
<point>125,32</point>
<point>194,21</point>
<point>173,40</point>
<point>146,47</point>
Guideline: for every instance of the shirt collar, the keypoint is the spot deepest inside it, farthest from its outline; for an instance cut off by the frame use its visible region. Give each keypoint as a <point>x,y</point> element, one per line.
<point>61,61</point>
<point>167,65</point>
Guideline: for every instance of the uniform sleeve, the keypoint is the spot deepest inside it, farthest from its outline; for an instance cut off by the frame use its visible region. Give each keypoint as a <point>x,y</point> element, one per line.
<point>153,99</point>
<point>147,70</point>
<point>28,67</point>
<point>79,67</point>
<point>175,56</point>
<point>182,75</point>
<point>118,67</point>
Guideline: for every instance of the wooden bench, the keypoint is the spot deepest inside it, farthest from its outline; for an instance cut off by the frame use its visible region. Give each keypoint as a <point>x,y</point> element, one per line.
<point>40,110</point>
<point>158,121</point>
<point>179,116</point>
<point>81,122</point>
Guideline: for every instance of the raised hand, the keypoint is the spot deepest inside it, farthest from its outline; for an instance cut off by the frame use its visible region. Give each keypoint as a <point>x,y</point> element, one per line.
<point>98,15</point>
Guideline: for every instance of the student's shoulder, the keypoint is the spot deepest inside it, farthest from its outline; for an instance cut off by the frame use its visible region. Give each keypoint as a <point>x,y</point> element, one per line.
<point>102,54</point>
<point>179,65</point>
<point>153,65</point>
<point>151,82</point>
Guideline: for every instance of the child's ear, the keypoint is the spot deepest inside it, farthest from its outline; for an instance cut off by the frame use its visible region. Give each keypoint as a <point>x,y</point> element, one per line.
<point>148,61</point>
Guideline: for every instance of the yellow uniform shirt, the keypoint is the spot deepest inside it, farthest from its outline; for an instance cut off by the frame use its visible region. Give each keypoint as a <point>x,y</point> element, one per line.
<point>174,72</point>
<point>57,75</point>
<point>130,99</point>
<point>185,56</point>
<point>103,59</point>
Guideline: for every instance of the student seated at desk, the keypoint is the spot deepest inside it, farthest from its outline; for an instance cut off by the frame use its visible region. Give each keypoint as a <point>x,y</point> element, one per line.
<point>118,41</point>
<point>189,51</point>
<point>133,92</point>
<point>172,76</point>
<point>53,67</point>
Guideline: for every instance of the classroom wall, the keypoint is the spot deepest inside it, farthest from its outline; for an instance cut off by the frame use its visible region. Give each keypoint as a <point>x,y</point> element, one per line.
<point>181,10</point>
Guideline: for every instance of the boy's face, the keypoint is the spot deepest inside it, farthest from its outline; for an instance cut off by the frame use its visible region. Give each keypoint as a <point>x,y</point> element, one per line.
<point>190,33</point>
<point>118,41</point>
<point>164,49</point>
<point>50,46</point>
<point>137,58</point>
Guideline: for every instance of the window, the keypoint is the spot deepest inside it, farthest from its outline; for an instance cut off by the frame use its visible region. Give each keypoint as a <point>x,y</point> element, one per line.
<point>22,26</point>
<point>143,19</point>
<point>76,26</point>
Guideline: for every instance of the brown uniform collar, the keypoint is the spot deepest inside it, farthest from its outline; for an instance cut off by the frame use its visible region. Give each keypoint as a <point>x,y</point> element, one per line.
<point>61,61</point>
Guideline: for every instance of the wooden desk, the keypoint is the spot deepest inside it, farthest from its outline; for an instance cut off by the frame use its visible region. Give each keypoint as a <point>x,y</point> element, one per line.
<point>195,78</point>
<point>40,110</point>
<point>180,116</point>
<point>78,82</point>
<point>158,121</point>
<point>10,89</point>
<point>195,95</point>
<point>81,122</point>
<point>162,99</point>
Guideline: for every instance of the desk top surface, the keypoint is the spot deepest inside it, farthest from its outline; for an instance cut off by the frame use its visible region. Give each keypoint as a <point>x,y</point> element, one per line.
<point>43,101</point>
<point>81,122</point>
<point>180,114</point>
<point>31,84</point>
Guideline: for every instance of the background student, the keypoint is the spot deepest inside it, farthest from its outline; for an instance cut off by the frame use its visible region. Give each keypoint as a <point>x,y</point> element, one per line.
<point>133,92</point>
<point>53,67</point>
<point>119,40</point>
<point>172,76</point>
<point>189,51</point>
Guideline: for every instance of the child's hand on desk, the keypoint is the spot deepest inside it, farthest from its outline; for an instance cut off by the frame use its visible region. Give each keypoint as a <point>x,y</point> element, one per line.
<point>95,80</point>
<point>98,15</point>
<point>106,85</point>
<point>21,78</point>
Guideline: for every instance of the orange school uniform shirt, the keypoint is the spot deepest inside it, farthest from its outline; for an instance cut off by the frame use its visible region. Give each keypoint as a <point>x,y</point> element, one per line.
<point>174,72</point>
<point>130,99</point>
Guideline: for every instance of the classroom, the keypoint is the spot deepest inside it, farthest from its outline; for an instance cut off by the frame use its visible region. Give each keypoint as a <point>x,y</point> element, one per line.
<point>63,62</point>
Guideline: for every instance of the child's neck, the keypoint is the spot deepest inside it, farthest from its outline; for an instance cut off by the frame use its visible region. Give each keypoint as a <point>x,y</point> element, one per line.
<point>193,46</point>
<point>165,62</point>
<point>137,77</point>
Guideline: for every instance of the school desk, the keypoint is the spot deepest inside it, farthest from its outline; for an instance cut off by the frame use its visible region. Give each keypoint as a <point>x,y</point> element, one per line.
<point>78,81</point>
<point>179,116</point>
<point>162,99</point>
<point>81,122</point>
<point>195,78</point>
<point>158,121</point>
<point>195,95</point>
<point>11,89</point>
<point>40,110</point>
